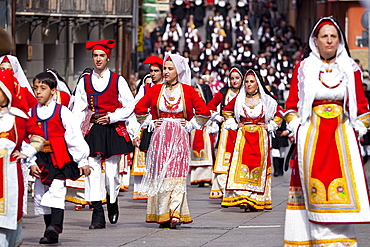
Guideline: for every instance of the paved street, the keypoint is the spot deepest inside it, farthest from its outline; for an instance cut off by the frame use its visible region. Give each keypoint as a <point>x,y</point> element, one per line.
<point>213,226</point>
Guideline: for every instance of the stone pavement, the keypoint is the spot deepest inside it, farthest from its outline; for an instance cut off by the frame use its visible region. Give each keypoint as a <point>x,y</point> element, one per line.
<point>213,226</point>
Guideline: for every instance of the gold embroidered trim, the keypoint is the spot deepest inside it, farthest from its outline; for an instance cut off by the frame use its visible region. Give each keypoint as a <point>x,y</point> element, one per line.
<point>200,155</point>
<point>365,119</point>
<point>37,142</point>
<point>168,216</point>
<point>328,110</point>
<point>296,199</point>
<point>228,114</point>
<point>2,205</point>
<point>202,120</point>
<point>141,118</point>
<point>237,200</point>
<point>344,241</point>
<point>278,120</point>
<point>290,116</point>
<point>222,162</point>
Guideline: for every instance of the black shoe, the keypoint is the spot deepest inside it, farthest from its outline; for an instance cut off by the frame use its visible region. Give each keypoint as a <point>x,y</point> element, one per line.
<point>45,240</point>
<point>113,218</point>
<point>51,236</point>
<point>113,212</point>
<point>96,226</point>
<point>165,225</point>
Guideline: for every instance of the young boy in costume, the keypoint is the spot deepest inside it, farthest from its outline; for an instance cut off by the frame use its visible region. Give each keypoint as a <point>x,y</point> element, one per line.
<point>64,156</point>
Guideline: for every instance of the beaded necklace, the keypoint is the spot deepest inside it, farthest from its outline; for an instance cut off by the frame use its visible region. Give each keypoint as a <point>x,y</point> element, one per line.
<point>253,106</point>
<point>249,118</point>
<point>171,106</point>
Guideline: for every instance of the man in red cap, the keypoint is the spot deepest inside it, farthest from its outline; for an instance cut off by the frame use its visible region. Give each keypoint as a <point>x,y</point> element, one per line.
<point>156,74</point>
<point>104,105</point>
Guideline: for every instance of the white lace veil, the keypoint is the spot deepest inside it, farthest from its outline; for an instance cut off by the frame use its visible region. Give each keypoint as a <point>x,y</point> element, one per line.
<point>182,67</point>
<point>269,103</point>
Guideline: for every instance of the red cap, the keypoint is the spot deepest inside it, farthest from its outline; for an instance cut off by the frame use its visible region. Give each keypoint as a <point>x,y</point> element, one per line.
<point>104,45</point>
<point>5,60</point>
<point>154,61</point>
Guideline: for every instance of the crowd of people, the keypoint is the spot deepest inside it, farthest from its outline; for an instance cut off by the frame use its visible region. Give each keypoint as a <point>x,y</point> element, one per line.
<point>251,33</point>
<point>230,135</point>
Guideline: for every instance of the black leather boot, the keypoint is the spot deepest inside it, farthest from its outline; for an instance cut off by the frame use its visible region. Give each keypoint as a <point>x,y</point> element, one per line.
<point>113,212</point>
<point>281,167</point>
<point>51,236</point>
<point>54,226</point>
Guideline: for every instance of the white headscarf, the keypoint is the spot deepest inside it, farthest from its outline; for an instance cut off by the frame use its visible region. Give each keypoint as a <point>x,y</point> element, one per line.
<point>308,75</point>
<point>236,68</point>
<point>182,67</point>
<point>268,102</point>
<point>61,86</point>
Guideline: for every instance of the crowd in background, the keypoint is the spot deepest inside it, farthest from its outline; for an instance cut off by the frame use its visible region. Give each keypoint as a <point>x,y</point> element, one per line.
<point>250,33</point>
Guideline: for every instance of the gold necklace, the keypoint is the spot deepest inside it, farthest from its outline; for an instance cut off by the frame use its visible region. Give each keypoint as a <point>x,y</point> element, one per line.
<point>325,84</point>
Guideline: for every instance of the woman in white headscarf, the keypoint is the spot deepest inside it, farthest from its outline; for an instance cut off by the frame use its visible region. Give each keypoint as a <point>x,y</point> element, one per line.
<point>327,111</point>
<point>255,113</point>
<point>226,138</point>
<point>176,109</point>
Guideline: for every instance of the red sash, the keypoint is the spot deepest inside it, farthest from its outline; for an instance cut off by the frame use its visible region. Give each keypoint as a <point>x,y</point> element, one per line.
<point>163,114</point>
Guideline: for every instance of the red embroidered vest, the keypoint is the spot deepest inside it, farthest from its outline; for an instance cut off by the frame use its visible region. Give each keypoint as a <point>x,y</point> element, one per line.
<point>54,132</point>
<point>105,101</point>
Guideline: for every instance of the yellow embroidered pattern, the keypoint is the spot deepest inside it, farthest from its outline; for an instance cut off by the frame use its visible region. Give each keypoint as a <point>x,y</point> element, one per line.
<point>3,152</point>
<point>290,116</point>
<point>317,191</point>
<point>348,242</point>
<point>365,119</point>
<point>328,110</point>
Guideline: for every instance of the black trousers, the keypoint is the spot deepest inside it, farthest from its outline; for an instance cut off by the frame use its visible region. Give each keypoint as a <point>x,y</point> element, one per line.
<point>98,213</point>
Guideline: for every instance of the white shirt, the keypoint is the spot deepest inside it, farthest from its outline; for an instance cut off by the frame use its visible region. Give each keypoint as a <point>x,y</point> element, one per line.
<point>141,91</point>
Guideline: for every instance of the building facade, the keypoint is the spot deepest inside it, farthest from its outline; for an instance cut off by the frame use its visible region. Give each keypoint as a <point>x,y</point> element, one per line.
<point>303,14</point>
<point>53,33</point>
